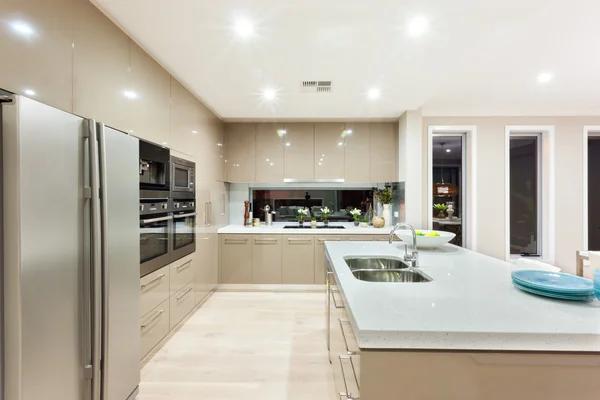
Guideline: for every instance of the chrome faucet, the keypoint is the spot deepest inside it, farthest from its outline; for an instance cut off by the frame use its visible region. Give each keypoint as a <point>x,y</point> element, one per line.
<point>412,258</point>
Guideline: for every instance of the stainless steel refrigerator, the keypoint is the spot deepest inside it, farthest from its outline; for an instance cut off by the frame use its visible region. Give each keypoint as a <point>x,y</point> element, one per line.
<point>71,256</point>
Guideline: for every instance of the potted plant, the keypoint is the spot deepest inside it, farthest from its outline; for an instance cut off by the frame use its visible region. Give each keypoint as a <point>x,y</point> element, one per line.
<point>325,215</point>
<point>313,222</point>
<point>355,214</point>
<point>302,213</point>
<point>440,208</point>
<point>364,223</point>
<point>386,197</point>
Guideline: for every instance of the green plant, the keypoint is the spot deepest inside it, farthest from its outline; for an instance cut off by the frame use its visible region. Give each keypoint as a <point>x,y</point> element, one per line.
<point>313,219</point>
<point>440,207</point>
<point>364,220</point>
<point>355,214</point>
<point>325,211</point>
<point>302,213</point>
<point>385,195</point>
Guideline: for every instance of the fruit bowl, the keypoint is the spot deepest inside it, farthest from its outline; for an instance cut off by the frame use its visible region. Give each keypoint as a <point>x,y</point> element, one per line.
<point>427,241</point>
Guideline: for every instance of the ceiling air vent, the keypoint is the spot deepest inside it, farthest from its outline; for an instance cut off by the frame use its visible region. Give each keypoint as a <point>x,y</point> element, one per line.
<point>315,87</point>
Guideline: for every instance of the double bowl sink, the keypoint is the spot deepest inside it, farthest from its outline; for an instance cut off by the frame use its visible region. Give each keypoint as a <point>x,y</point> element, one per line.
<point>384,269</point>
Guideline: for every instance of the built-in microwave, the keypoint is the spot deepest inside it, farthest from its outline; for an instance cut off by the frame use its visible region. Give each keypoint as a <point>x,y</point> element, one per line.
<point>182,178</point>
<point>155,175</point>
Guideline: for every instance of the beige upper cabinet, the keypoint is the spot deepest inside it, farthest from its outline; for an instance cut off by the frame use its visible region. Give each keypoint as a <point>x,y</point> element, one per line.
<point>329,150</point>
<point>269,152</point>
<point>149,98</point>
<point>184,121</point>
<point>38,57</point>
<point>384,150</point>
<point>299,151</point>
<point>101,62</point>
<point>240,152</point>
<point>357,164</point>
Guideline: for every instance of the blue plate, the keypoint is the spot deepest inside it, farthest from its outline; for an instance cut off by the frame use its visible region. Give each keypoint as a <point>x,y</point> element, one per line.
<point>554,295</point>
<point>586,292</point>
<point>556,282</point>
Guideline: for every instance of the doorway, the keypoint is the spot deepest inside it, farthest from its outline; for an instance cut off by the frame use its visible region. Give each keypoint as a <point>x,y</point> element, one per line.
<point>593,190</point>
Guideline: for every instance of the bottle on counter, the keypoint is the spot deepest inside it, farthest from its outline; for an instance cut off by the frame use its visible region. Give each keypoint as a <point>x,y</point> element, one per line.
<point>247,217</point>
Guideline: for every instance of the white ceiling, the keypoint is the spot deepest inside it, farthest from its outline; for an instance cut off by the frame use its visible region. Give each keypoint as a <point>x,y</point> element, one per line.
<point>479,57</point>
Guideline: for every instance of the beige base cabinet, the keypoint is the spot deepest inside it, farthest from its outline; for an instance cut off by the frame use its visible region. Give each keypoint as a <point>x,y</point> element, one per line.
<point>180,304</point>
<point>154,326</point>
<point>320,255</point>
<point>266,259</point>
<point>236,259</point>
<point>298,259</point>
<point>154,289</point>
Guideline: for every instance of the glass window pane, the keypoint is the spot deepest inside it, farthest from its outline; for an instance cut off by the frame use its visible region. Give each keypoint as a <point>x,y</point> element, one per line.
<point>524,202</point>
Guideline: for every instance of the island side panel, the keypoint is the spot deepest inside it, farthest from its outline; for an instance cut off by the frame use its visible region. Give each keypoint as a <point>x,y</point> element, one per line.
<point>467,376</point>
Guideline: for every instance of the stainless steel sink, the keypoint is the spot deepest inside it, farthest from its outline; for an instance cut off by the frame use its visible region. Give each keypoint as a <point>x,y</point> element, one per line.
<point>375,263</point>
<point>391,275</point>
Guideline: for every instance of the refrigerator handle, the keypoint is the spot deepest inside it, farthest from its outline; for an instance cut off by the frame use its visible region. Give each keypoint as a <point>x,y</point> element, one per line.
<point>104,249</point>
<point>96,260</point>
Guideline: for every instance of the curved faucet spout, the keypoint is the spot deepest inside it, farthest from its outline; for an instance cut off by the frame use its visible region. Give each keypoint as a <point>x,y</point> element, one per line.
<point>414,257</point>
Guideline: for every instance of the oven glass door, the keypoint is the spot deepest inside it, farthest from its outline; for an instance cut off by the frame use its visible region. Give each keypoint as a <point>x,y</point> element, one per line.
<point>183,229</point>
<point>154,236</point>
<point>181,177</point>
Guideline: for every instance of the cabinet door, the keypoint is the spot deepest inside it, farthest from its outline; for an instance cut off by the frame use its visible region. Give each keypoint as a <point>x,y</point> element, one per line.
<point>329,151</point>
<point>202,266</point>
<point>266,259</point>
<point>149,96</point>
<point>101,61</point>
<point>298,151</point>
<point>240,152</point>
<point>236,259</point>
<point>298,260</point>
<point>39,55</point>
<point>184,124</point>
<point>320,255</point>
<point>269,152</point>
<point>384,148</point>
<point>357,164</point>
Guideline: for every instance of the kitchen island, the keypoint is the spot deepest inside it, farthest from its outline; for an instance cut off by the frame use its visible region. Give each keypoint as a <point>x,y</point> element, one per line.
<point>466,334</point>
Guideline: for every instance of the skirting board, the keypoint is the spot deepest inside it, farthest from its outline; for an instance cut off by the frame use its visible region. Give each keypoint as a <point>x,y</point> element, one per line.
<point>246,287</point>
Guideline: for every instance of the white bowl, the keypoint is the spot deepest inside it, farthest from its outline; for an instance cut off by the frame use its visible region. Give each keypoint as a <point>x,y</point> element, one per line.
<point>426,242</point>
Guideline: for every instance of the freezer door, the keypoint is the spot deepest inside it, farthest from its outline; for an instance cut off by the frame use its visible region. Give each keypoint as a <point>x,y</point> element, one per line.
<point>45,311</point>
<point>119,181</point>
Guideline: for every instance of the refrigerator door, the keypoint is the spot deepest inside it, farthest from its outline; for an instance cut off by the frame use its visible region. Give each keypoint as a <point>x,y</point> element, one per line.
<point>119,181</point>
<point>45,253</point>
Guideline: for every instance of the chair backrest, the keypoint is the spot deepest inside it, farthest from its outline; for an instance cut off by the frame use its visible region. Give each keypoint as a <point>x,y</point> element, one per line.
<point>594,264</point>
<point>527,263</point>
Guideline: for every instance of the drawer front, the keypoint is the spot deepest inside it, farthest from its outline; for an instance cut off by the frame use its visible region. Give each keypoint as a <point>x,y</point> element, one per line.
<point>182,271</point>
<point>181,303</point>
<point>346,374</point>
<point>154,326</point>
<point>154,289</point>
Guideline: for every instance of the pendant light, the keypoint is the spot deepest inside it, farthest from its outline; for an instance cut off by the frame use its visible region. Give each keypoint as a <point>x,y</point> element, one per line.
<point>444,189</point>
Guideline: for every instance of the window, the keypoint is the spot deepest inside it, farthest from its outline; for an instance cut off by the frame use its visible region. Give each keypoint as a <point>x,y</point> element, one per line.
<point>525,194</point>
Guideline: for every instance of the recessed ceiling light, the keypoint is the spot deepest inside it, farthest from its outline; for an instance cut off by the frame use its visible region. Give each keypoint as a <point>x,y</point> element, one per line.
<point>448,150</point>
<point>417,26</point>
<point>269,94</point>
<point>544,77</point>
<point>244,28</point>
<point>130,94</point>
<point>22,28</point>
<point>374,93</point>
<point>194,131</point>
<point>29,92</point>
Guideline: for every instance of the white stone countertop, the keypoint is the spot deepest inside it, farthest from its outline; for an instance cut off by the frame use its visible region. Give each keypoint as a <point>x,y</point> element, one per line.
<point>471,304</point>
<point>277,228</point>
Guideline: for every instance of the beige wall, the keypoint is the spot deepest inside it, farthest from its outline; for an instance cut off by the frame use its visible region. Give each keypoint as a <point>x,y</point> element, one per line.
<point>490,180</point>
<point>409,165</point>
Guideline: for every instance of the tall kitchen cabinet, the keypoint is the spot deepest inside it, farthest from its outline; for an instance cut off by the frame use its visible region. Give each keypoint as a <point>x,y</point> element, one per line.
<point>240,152</point>
<point>269,152</point>
<point>383,151</point>
<point>357,144</point>
<point>329,154</point>
<point>299,153</point>
<point>297,259</point>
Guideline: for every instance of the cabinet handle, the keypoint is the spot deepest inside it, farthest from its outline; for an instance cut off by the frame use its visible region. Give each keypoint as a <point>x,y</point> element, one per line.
<point>158,313</point>
<point>335,304</point>
<point>348,395</point>
<point>209,213</point>
<point>236,241</point>
<point>222,203</point>
<point>329,240</point>
<point>184,293</point>
<point>342,321</point>
<point>184,265</point>
<point>265,241</point>
<point>292,240</point>
<point>158,278</point>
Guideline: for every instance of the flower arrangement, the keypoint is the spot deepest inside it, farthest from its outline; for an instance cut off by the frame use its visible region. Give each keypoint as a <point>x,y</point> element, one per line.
<point>385,195</point>
<point>302,213</point>
<point>355,214</point>
<point>325,213</point>
<point>440,208</point>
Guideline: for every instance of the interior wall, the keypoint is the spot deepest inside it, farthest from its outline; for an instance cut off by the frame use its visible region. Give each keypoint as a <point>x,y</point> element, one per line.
<point>490,179</point>
<point>410,158</point>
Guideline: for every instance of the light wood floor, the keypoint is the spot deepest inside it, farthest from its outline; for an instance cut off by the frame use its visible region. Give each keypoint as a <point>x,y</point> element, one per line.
<point>246,345</point>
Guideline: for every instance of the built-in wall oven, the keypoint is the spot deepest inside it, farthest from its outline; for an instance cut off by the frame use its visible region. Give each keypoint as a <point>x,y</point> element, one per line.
<point>155,171</point>
<point>156,227</point>
<point>182,178</point>
<point>184,224</point>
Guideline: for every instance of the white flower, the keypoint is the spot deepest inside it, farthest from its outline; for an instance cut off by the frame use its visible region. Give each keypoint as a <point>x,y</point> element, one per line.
<point>356,211</point>
<point>302,211</point>
<point>325,210</point>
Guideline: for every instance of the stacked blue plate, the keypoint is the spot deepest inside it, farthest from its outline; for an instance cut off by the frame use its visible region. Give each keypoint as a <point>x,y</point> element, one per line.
<point>597,283</point>
<point>554,284</point>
